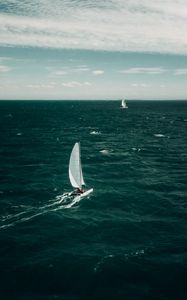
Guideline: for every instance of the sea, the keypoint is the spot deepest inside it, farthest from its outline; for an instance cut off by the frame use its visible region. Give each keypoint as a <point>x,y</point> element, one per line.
<point>128,239</point>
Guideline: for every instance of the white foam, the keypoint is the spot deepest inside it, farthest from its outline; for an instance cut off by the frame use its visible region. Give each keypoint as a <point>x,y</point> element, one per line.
<point>102,261</point>
<point>104,151</point>
<point>63,201</point>
<point>95,132</point>
<point>136,149</point>
<point>28,214</point>
<point>159,135</point>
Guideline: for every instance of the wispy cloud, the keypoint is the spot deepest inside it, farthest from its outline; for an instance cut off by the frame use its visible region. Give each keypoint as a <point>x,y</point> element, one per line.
<point>59,73</point>
<point>80,69</point>
<point>140,85</point>
<point>68,70</point>
<point>4,58</point>
<point>41,86</point>
<point>143,70</point>
<point>181,71</point>
<point>4,68</point>
<point>73,84</point>
<point>115,25</point>
<point>98,72</point>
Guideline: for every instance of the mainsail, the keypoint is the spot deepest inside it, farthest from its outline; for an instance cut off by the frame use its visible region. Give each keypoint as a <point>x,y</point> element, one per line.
<point>124,103</point>
<point>75,169</point>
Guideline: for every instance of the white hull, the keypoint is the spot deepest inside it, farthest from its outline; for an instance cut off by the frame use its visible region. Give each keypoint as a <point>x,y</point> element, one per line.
<point>86,193</point>
<point>78,198</point>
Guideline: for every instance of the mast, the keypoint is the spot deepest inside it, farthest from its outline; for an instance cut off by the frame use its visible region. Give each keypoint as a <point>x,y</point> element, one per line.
<point>80,164</point>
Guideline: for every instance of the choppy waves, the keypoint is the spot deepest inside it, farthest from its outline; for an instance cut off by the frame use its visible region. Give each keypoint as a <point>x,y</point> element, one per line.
<point>126,241</point>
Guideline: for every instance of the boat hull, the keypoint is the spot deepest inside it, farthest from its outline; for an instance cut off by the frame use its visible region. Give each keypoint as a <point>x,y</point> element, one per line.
<point>78,198</point>
<point>86,193</point>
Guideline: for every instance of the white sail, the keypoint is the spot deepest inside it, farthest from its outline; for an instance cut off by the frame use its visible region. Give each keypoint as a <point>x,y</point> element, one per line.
<point>75,169</point>
<point>124,103</point>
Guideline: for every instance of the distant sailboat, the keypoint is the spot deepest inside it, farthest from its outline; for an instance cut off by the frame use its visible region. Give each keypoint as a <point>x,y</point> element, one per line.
<point>124,103</point>
<point>76,175</point>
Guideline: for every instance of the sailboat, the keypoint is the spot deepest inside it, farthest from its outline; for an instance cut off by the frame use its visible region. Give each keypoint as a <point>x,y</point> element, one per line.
<point>124,103</point>
<point>76,175</point>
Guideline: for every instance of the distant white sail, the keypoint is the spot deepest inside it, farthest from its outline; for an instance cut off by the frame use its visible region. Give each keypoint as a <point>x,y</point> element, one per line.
<point>124,103</point>
<point>75,169</point>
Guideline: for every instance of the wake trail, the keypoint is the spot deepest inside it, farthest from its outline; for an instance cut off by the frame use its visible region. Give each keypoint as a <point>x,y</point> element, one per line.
<point>58,204</point>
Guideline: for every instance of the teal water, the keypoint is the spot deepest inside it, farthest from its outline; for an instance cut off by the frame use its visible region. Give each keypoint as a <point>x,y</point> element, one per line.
<point>128,239</point>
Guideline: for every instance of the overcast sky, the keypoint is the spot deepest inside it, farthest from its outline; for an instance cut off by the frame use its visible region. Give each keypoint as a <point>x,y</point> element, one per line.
<point>93,49</point>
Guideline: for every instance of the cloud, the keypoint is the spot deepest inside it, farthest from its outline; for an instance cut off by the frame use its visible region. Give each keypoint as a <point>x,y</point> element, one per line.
<point>4,58</point>
<point>115,25</point>
<point>41,86</point>
<point>73,84</point>
<point>67,70</point>
<point>143,85</point>
<point>98,72</point>
<point>181,71</point>
<point>80,69</point>
<point>4,68</point>
<point>59,73</point>
<point>143,71</point>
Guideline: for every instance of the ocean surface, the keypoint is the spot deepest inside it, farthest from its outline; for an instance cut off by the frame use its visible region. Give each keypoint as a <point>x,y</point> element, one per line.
<point>128,240</point>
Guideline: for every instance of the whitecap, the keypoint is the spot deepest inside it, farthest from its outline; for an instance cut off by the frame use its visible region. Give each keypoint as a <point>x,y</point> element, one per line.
<point>101,261</point>
<point>139,252</point>
<point>136,149</point>
<point>24,216</point>
<point>159,135</point>
<point>95,132</point>
<point>104,151</point>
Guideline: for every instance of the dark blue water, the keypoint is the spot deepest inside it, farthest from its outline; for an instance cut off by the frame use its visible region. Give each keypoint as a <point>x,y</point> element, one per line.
<point>128,240</point>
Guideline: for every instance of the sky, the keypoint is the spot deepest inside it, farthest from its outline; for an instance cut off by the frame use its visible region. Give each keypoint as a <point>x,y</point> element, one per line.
<point>93,49</point>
